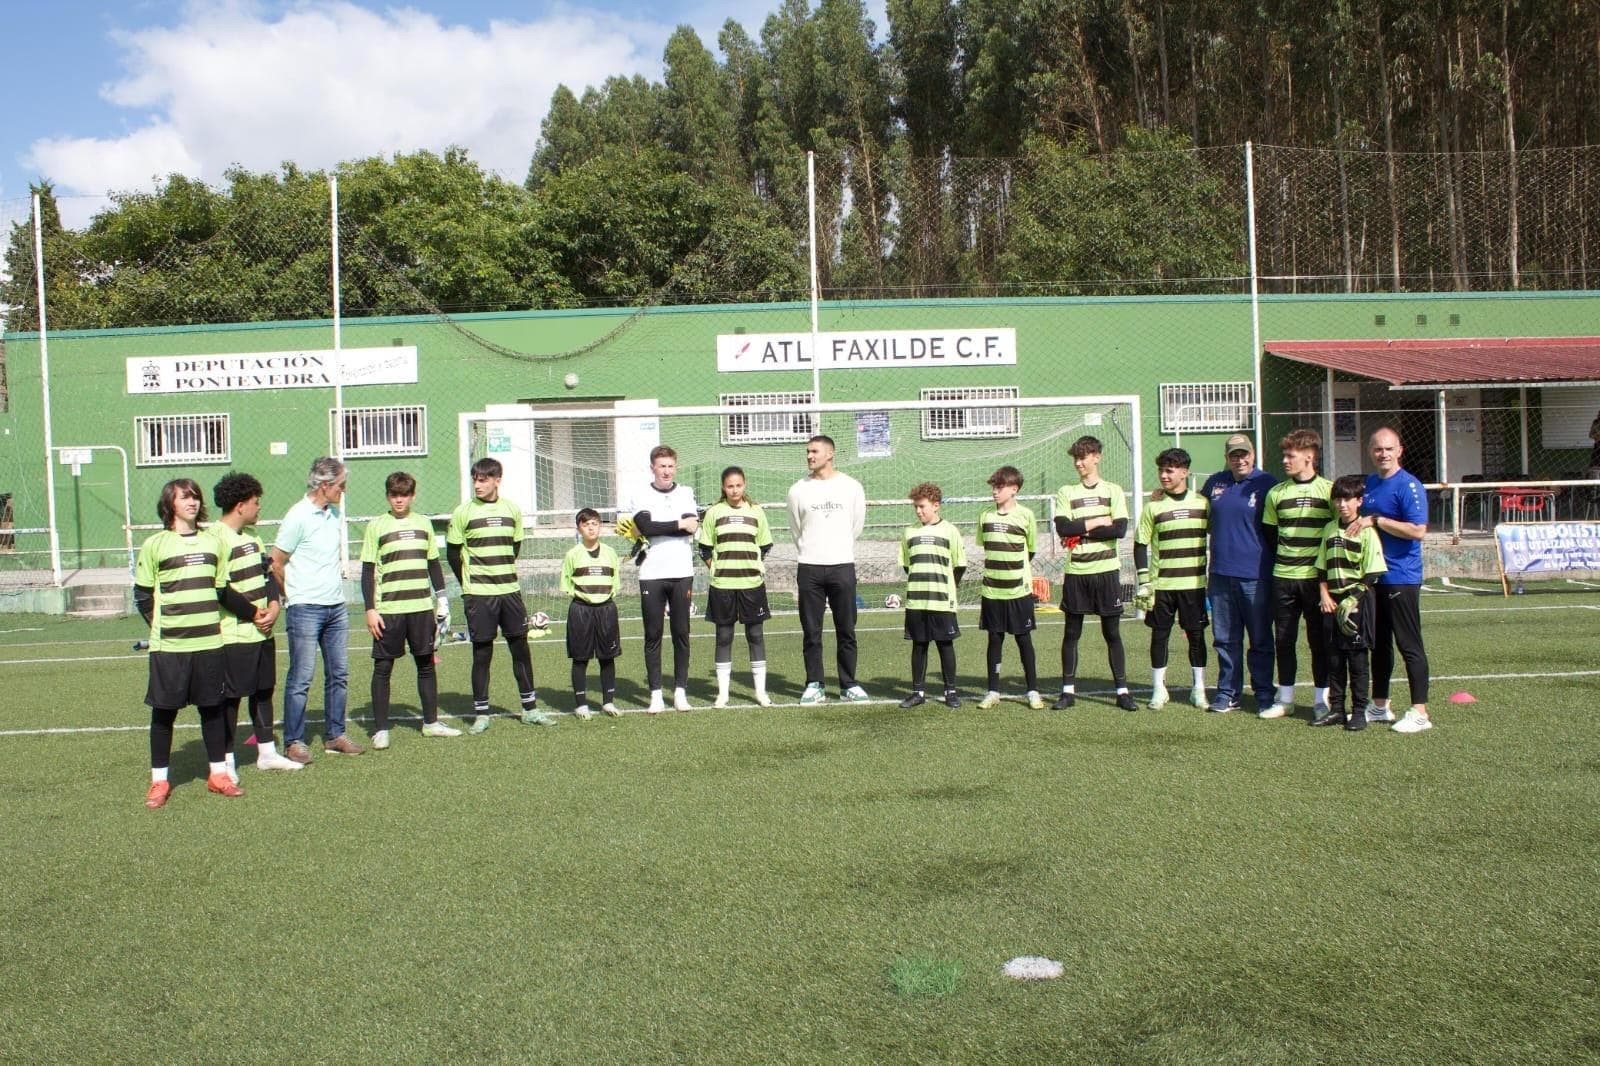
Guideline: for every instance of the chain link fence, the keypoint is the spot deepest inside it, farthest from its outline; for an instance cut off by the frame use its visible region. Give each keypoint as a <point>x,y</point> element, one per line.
<point>1129,272</point>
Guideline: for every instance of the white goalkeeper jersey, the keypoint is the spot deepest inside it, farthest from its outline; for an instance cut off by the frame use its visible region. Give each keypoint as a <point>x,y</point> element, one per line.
<point>669,556</point>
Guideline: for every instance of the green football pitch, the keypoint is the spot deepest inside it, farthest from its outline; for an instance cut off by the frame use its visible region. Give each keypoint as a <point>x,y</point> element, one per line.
<point>819,884</point>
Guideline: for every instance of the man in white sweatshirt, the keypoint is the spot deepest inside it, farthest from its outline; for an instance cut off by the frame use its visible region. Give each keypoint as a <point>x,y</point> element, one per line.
<point>827,511</point>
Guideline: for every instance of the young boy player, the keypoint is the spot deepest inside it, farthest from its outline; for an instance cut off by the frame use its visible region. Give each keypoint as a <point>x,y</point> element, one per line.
<point>591,575</point>
<point>934,558</point>
<point>1169,552</point>
<point>1006,535</point>
<point>1091,517</point>
<point>1347,568</point>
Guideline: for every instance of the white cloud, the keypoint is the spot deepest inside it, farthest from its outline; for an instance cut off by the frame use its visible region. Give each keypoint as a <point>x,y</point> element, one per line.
<point>330,81</point>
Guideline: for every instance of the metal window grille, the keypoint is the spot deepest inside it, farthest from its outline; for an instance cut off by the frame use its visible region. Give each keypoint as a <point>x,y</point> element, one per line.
<point>950,421</point>
<point>767,427</point>
<point>171,440</point>
<point>1207,407</point>
<point>384,430</point>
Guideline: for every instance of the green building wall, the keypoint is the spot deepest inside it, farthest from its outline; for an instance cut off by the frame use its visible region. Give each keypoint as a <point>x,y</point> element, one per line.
<point>1065,347</point>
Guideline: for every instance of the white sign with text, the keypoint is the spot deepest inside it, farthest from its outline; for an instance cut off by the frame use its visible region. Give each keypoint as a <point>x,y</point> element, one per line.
<point>867,349</point>
<point>248,371</point>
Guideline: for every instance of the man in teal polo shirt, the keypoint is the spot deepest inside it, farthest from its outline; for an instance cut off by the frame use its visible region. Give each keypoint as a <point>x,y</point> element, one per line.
<point>305,560</point>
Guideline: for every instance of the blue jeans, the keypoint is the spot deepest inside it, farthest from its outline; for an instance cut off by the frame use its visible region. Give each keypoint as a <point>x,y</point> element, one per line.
<point>1241,606</point>
<point>310,625</point>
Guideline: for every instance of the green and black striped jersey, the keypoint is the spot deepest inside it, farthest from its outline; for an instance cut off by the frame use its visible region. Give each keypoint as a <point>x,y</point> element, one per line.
<point>246,562</point>
<point>1174,528</point>
<point>931,555</point>
<point>591,576</point>
<point>184,570</point>
<point>1007,542</point>
<point>490,535</point>
<point>400,550</point>
<point>1300,510</point>
<point>1343,562</point>
<point>736,536</point>
<point>1080,501</point>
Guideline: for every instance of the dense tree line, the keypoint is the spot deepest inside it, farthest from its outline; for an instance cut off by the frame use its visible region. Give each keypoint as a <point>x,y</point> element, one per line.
<point>977,147</point>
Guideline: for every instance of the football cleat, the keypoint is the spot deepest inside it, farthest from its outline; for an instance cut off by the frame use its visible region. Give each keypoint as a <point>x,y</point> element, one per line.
<point>439,729</point>
<point>156,798</point>
<point>220,784</point>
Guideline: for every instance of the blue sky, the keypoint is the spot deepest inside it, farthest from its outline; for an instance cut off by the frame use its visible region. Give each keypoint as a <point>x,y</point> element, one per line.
<point>113,95</point>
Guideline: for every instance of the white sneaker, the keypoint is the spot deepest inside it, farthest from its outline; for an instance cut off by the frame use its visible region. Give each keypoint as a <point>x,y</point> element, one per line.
<point>680,700</point>
<point>989,702</point>
<point>380,740</point>
<point>813,694</point>
<point>1197,697</point>
<point>584,713</point>
<point>720,702</point>
<point>1158,698</point>
<point>1379,714</point>
<point>439,729</point>
<point>481,723</point>
<point>855,694</point>
<point>1277,710</point>
<point>763,700</point>
<point>610,710</point>
<point>1413,721</point>
<point>656,705</point>
<point>275,761</point>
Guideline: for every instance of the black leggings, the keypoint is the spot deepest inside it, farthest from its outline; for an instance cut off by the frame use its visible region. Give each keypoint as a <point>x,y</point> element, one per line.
<point>1111,629</point>
<point>521,669</point>
<point>1160,638</point>
<point>919,663</point>
<point>1292,600</point>
<point>1399,622</point>
<point>754,633</point>
<point>427,689</point>
<point>212,732</point>
<point>580,681</point>
<point>656,595</point>
<point>1030,663</point>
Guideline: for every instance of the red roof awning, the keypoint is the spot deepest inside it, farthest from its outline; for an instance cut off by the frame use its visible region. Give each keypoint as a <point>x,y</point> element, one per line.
<point>1467,361</point>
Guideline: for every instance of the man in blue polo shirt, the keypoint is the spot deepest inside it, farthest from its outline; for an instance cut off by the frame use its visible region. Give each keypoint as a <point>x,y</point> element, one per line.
<point>305,560</point>
<point>1241,575</point>
<point>1396,505</point>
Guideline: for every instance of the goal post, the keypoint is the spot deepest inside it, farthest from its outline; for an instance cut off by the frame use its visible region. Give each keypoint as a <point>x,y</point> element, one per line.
<point>558,458</point>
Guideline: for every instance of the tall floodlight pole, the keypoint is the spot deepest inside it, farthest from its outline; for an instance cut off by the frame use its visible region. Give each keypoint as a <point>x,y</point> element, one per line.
<point>44,380</point>
<point>1255,287</point>
<point>338,365</point>
<point>811,207</point>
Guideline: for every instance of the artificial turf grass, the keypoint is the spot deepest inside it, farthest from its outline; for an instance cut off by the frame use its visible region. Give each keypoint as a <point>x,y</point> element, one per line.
<point>732,886</point>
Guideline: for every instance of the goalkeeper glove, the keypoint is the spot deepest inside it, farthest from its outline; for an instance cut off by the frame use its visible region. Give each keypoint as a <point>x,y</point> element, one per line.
<point>1144,597</point>
<point>441,620</point>
<point>630,531</point>
<point>1346,613</point>
<point>1070,542</point>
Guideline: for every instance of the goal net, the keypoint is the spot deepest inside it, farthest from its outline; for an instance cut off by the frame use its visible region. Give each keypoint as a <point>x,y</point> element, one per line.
<point>559,458</point>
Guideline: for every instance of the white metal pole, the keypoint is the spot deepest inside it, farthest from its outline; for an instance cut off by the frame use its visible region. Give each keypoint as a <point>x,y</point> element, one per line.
<point>1522,424</point>
<point>44,380</point>
<point>1330,449</point>
<point>811,207</point>
<point>1444,433</point>
<point>338,366</point>
<point>1255,286</point>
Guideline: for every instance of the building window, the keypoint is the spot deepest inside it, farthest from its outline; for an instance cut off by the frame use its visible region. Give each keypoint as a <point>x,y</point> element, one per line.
<point>1214,407</point>
<point>950,421</point>
<point>768,427</point>
<point>370,431</point>
<point>172,440</point>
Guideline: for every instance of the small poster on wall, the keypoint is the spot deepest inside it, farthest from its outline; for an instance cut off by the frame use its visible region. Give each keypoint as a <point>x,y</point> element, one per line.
<point>1344,418</point>
<point>872,434</point>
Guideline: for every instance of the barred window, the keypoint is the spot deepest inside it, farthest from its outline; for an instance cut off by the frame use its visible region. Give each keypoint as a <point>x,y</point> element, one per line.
<point>384,430</point>
<point>1208,407</point>
<point>767,427</point>
<point>950,421</point>
<point>172,440</point>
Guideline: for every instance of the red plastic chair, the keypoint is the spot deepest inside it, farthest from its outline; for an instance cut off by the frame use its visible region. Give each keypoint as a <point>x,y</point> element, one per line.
<point>1519,505</point>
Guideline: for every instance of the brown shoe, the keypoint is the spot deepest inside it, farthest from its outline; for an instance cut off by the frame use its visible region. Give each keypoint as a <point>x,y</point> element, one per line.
<point>298,752</point>
<point>342,745</point>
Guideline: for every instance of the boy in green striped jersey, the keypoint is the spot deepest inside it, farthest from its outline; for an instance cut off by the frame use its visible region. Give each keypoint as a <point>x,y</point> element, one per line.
<point>1347,569</point>
<point>1169,553</point>
<point>1006,535</point>
<point>591,575</point>
<point>934,557</point>
<point>1296,511</point>
<point>249,648</point>
<point>179,581</point>
<point>481,544</point>
<point>402,589</point>
<point>734,540</point>
<point>1091,517</point>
